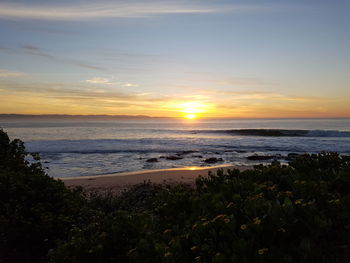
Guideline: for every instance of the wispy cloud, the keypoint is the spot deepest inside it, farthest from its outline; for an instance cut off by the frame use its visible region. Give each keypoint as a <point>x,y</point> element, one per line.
<point>264,97</point>
<point>116,9</point>
<point>108,81</point>
<point>221,80</point>
<point>129,85</point>
<point>32,48</point>
<point>75,99</point>
<point>4,73</point>
<point>73,90</point>
<point>98,80</point>
<point>39,52</point>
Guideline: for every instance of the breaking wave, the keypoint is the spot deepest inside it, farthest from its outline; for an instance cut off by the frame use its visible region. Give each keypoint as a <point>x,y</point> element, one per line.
<point>280,132</point>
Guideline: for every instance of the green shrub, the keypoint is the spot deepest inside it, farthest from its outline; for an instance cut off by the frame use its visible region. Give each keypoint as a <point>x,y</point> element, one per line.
<point>35,210</point>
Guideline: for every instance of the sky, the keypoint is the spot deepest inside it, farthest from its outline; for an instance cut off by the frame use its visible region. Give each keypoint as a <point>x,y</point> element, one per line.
<point>194,58</point>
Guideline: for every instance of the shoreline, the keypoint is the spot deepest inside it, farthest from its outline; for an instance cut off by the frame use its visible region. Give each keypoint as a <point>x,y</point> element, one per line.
<point>118,182</point>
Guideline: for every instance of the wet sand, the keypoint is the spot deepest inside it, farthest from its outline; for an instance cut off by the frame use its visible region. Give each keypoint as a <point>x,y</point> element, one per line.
<point>120,181</point>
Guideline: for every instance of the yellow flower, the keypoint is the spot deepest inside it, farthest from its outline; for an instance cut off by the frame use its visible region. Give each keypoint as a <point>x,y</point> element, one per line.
<point>334,201</point>
<point>167,254</point>
<point>166,231</point>
<point>243,227</point>
<point>230,205</point>
<point>261,195</point>
<point>131,251</point>
<point>298,202</point>
<point>262,251</point>
<point>194,248</point>
<point>205,223</point>
<point>289,193</point>
<point>273,187</point>
<point>217,218</point>
<point>257,221</point>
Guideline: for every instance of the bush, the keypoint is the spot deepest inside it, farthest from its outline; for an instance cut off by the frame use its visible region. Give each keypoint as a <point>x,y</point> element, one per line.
<point>35,209</point>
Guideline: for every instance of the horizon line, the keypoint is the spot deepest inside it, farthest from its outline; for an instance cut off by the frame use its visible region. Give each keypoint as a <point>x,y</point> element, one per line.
<point>19,115</point>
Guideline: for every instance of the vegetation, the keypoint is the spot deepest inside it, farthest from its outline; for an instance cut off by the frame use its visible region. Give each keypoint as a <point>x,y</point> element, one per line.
<point>35,210</point>
<point>275,213</point>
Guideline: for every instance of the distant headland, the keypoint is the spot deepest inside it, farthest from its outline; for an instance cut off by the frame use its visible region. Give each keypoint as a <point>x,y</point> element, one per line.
<point>75,117</point>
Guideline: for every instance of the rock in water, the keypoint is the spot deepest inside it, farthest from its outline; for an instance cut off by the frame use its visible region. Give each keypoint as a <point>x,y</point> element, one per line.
<point>152,160</point>
<point>173,158</point>
<point>213,160</point>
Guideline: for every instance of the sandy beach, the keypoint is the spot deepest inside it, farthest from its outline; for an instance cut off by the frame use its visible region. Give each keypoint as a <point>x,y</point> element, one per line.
<point>118,182</point>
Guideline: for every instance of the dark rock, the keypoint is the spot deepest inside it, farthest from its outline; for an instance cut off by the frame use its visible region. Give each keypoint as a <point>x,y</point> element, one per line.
<point>261,157</point>
<point>152,160</point>
<point>256,157</point>
<point>213,160</point>
<point>292,156</point>
<point>185,152</point>
<point>197,156</point>
<point>173,158</point>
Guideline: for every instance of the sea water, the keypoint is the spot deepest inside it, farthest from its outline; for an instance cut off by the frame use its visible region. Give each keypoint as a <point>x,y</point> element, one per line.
<point>79,148</point>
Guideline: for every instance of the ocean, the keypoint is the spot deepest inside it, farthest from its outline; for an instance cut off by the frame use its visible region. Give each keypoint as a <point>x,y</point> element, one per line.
<point>81,148</point>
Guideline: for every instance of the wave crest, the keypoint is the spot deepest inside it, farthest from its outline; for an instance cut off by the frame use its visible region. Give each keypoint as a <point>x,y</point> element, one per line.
<point>282,132</point>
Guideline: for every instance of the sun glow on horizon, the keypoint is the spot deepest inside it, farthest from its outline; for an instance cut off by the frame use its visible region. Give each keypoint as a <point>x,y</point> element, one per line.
<point>192,109</point>
<point>190,116</point>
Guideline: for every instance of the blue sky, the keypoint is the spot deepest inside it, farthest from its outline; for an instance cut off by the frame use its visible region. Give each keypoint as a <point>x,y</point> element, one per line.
<point>222,58</point>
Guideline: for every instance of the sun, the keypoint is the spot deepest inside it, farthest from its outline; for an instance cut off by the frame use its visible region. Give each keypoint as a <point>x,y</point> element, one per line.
<point>190,116</point>
<point>190,110</point>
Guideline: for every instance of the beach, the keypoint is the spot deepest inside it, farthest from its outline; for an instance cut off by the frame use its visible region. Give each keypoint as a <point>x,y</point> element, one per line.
<point>119,182</point>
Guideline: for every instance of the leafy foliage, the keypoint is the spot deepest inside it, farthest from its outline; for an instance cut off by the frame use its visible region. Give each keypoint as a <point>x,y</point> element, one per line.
<point>35,210</point>
<point>277,213</point>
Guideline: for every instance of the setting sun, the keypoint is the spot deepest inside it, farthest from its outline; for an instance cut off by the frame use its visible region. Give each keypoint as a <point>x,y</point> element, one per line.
<point>190,116</point>
<point>192,109</point>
